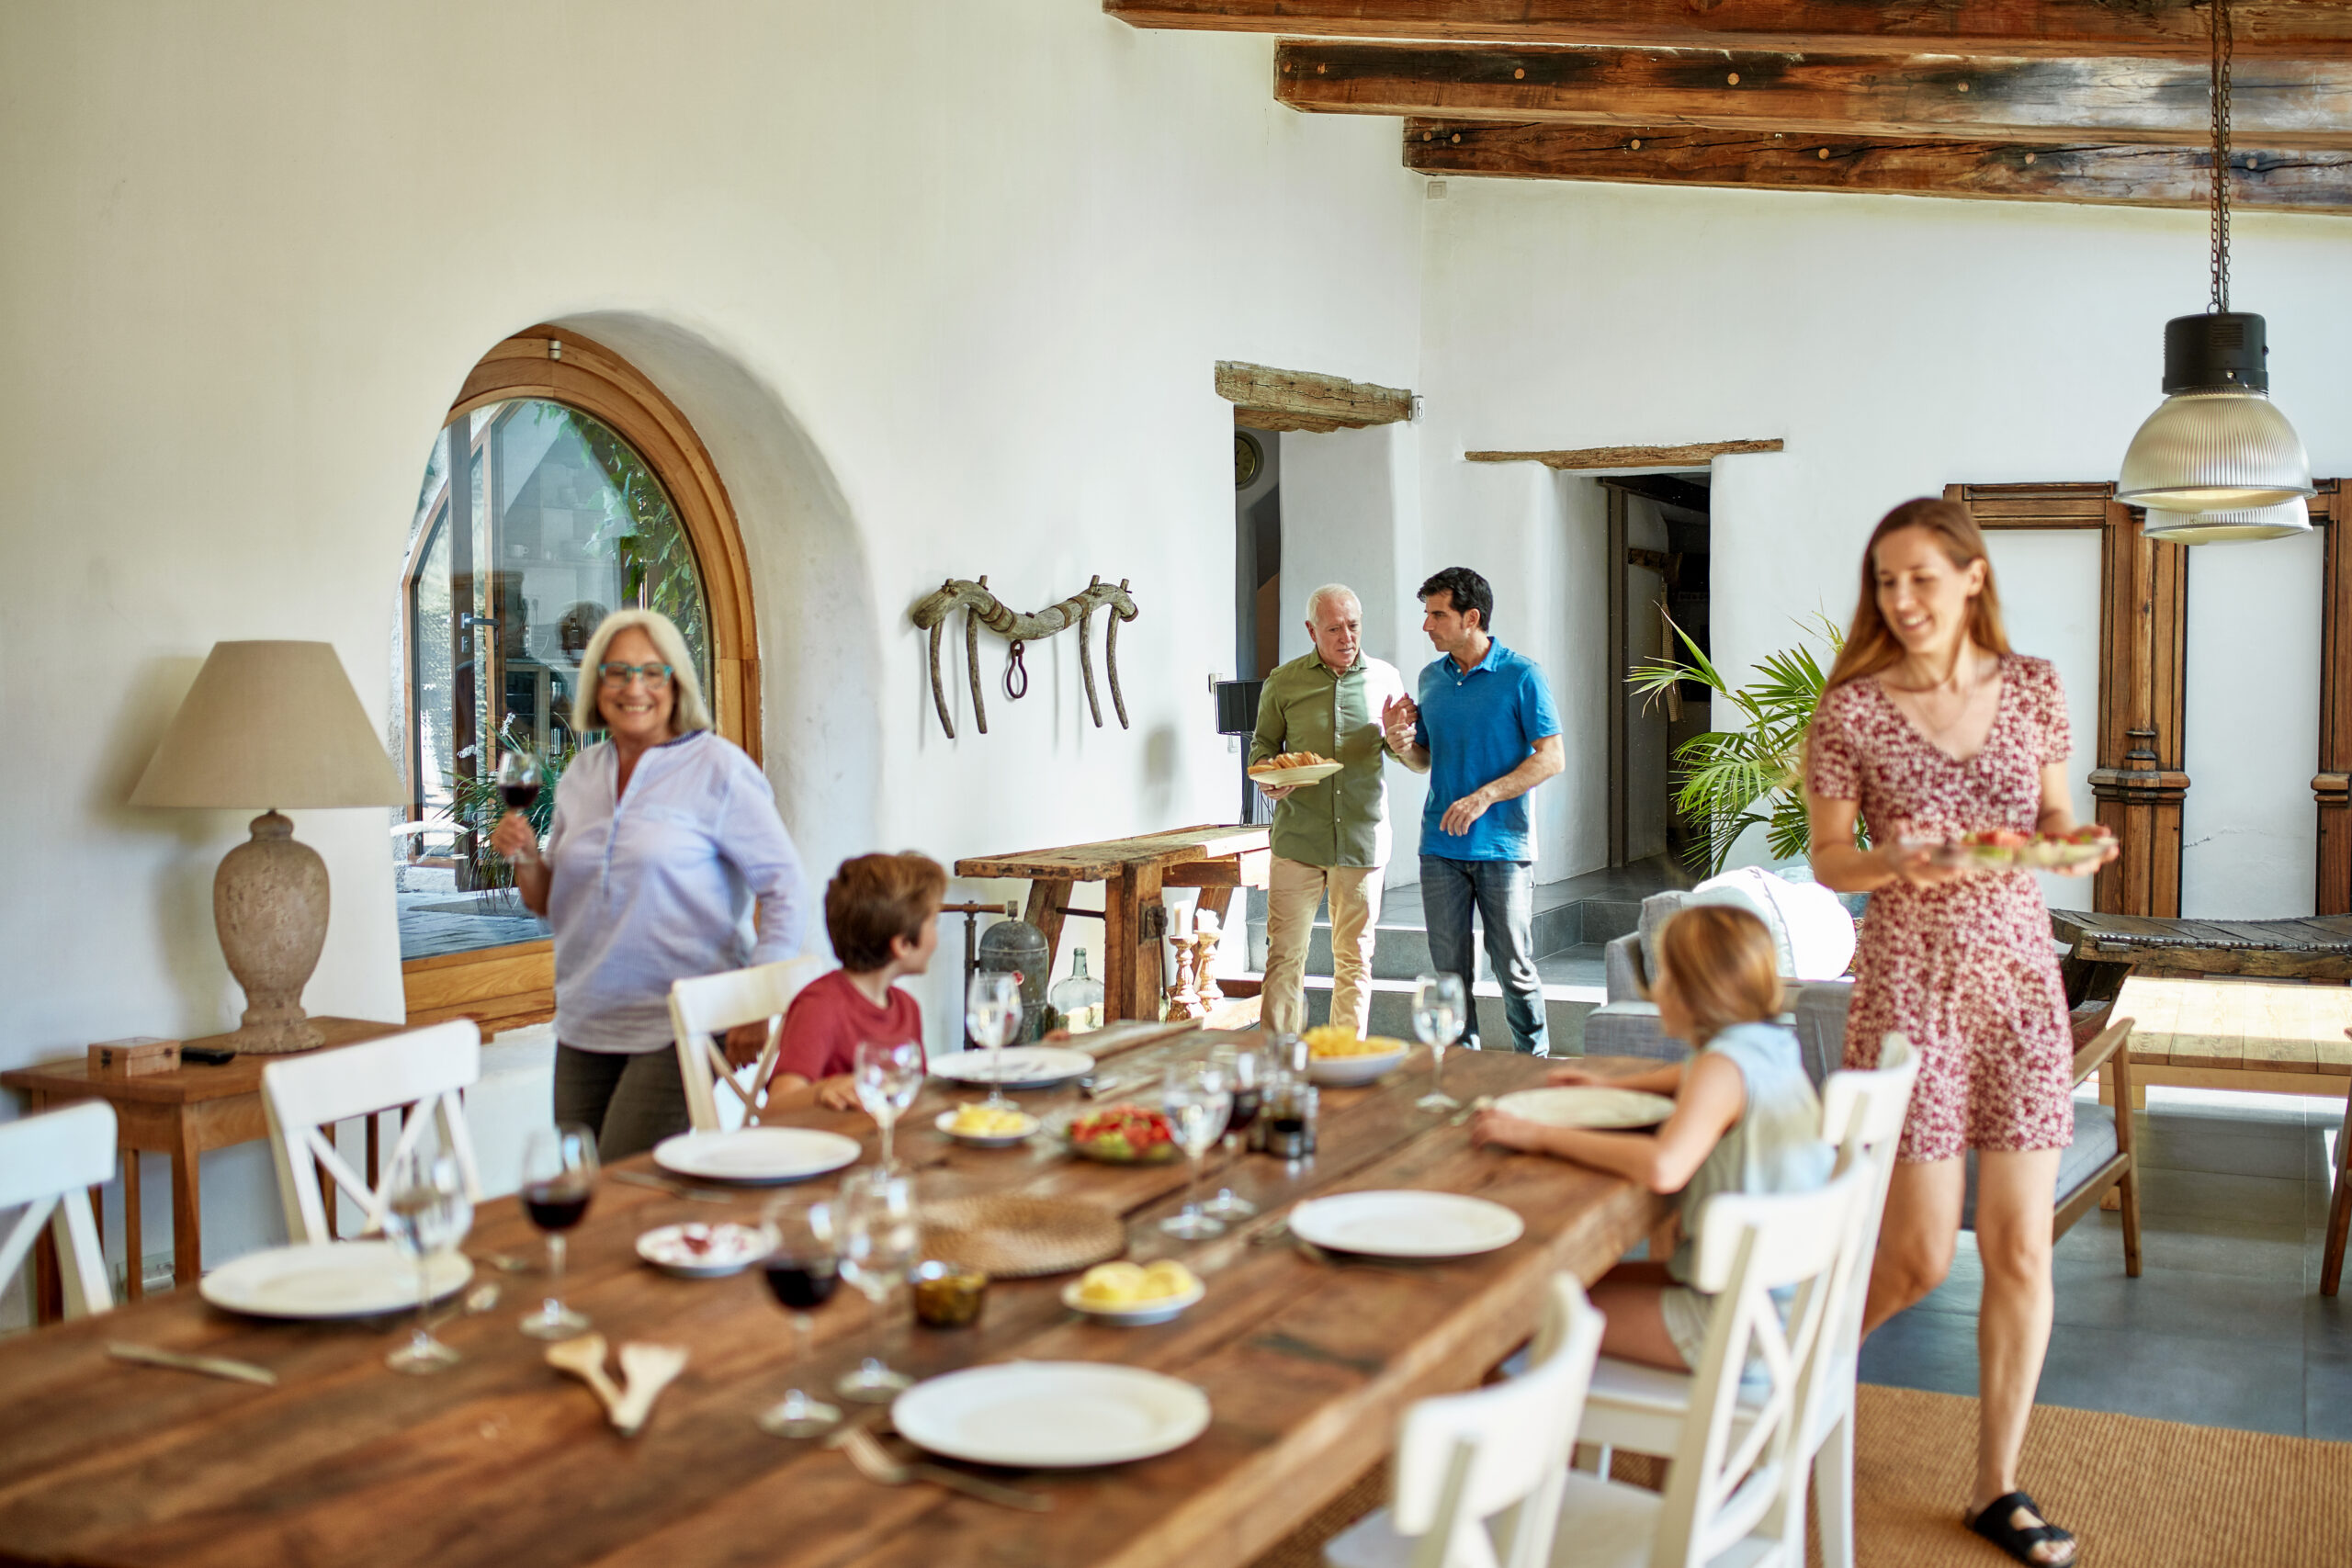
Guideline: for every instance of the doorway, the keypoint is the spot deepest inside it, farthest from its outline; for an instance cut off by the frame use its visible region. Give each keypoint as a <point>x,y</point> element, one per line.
<point>1658,589</point>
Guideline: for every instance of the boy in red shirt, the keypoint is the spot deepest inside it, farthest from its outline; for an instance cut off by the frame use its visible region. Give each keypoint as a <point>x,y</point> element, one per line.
<point>882,912</point>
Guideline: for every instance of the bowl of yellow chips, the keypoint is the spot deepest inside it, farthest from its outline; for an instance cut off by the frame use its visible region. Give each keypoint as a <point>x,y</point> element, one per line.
<point>1340,1057</point>
<point>1134,1294</point>
<point>984,1127</point>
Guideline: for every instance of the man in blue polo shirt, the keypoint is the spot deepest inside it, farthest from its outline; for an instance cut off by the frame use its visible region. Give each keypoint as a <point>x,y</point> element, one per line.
<point>1485,732</point>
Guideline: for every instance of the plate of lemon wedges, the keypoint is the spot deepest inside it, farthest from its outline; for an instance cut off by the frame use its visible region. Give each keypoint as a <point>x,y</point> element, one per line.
<point>984,1127</point>
<point>1134,1294</point>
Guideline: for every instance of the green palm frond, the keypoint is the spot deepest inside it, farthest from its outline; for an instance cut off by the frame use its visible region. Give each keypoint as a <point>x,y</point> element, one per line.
<point>1734,779</point>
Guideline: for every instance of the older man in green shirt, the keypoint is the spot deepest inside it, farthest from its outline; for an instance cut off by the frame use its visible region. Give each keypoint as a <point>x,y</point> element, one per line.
<point>1330,839</point>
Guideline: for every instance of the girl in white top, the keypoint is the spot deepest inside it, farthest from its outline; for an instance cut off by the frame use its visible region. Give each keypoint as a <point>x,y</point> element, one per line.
<point>664,836</point>
<point>1746,1119</point>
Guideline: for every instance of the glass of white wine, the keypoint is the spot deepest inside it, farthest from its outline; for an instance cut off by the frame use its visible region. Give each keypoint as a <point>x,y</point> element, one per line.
<point>429,1214</point>
<point>878,1241</point>
<point>992,1015</point>
<point>1196,1099</point>
<point>1440,1013</point>
<point>888,1077</point>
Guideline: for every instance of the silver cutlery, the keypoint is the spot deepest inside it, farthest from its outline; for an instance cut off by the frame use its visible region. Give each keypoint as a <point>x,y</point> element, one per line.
<point>675,1189</point>
<point>874,1463</point>
<point>1314,1254</point>
<point>479,1299</point>
<point>180,1360</point>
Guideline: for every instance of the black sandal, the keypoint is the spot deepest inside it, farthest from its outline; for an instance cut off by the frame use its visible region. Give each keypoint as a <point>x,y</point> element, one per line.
<point>1994,1524</point>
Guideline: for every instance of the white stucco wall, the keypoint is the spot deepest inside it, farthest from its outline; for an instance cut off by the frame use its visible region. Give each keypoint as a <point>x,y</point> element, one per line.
<point>941,286</point>
<point>1896,344</point>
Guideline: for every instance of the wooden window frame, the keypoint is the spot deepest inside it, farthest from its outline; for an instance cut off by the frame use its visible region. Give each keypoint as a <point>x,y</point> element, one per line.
<point>507,986</point>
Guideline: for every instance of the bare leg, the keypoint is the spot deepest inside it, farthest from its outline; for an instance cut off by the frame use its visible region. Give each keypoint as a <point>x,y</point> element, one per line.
<point>2013,1201</point>
<point>1635,1329</point>
<point>1916,1238</point>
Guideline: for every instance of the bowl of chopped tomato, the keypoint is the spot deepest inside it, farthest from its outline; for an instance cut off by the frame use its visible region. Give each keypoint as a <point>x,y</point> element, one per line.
<point>1122,1134</point>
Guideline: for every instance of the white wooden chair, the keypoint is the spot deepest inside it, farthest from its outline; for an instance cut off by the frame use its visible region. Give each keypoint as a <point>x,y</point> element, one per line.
<point>1730,1495</point>
<point>712,1004</point>
<point>1464,1459</point>
<point>1642,1408</point>
<point>47,1163</point>
<point>306,1096</point>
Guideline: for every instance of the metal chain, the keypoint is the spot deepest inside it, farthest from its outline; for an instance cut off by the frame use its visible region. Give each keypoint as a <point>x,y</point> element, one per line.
<point>2223,37</point>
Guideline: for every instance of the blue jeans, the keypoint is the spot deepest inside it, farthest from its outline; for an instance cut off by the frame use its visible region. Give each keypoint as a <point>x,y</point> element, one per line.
<point>1504,894</point>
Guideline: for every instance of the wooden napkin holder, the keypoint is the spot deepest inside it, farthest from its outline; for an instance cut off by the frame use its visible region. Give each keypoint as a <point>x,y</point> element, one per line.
<point>133,1058</point>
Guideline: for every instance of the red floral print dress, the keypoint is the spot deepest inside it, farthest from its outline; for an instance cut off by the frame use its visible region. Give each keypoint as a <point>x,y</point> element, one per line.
<point>1965,969</point>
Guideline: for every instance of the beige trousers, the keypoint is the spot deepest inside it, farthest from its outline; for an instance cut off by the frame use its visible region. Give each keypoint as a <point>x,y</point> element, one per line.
<point>1295,891</point>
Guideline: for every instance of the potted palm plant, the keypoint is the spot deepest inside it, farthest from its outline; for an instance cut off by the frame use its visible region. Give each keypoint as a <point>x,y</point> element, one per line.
<point>1732,780</point>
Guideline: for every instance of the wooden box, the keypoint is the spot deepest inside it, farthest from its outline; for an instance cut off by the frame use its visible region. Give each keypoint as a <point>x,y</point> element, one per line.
<point>135,1057</point>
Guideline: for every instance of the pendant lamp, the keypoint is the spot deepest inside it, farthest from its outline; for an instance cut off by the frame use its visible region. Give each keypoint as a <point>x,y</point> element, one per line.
<point>2217,448</point>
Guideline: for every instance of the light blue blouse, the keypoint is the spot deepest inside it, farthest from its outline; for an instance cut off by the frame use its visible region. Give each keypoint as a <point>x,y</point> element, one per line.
<point>654,886</point>
<point>1775,1147</point>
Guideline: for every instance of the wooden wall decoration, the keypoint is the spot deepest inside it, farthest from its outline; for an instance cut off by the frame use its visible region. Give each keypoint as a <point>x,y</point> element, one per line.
<point>2138,784</point>
<point>506,987</point>
<point>2332,786</point>
<point>981,608</point>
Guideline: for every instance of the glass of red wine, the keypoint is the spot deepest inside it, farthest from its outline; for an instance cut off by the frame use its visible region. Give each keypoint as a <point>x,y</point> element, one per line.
<point>1245,1069</point>
<point>559,1178</point>
<point>519,779</point>
<point>802,1267</point>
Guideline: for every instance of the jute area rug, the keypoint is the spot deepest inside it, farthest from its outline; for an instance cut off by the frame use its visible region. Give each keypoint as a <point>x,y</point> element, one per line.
<point>2137,1492</point>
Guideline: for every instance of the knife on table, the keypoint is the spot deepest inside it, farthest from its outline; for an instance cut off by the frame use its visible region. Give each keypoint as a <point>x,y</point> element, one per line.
<point>180,1360</point>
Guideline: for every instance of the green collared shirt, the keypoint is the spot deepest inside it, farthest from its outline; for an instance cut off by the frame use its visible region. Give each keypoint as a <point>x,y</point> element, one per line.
<point>1303,708</point>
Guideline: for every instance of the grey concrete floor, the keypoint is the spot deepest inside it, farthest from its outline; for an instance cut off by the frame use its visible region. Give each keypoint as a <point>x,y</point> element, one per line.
<point>2225,1326</point>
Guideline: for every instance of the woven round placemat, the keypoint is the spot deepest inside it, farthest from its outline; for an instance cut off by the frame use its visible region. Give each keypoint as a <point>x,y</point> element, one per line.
<point>1008,1237</point>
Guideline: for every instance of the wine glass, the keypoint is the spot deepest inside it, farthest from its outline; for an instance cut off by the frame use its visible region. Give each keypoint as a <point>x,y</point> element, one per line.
<point>1440,1013</point>
<point>878,1239</point>
<point>559,1178</point>
<point>888,1077</point>
<point>1196,1101</point>
<point>802,1268</point>
<point>992,1014</point>
<point>520,775</point>
<point>1245,1076</point>
<point>428,1214</point>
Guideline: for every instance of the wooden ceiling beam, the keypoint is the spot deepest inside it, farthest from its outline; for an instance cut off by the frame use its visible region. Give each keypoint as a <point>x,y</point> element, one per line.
<point>2301,30</point>
<point>1580,460</point>
<point>1266,399</point>
<point>2276,104</point>
<point>2013,171</point>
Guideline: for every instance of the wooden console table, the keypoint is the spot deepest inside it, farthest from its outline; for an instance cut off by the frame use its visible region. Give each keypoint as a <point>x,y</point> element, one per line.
<point>1215,859</point>
<point>180,1114</point>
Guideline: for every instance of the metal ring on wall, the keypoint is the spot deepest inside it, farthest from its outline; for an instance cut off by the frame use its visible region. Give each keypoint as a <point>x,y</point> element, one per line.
<point>1013,666</point>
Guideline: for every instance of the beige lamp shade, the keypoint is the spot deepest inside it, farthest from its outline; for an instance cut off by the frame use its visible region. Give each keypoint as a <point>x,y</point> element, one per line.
<point>270,724</point>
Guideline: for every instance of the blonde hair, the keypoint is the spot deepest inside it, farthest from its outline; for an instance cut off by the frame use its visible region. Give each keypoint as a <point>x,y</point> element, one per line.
<point>687,710</point>
<point>1723,967</point>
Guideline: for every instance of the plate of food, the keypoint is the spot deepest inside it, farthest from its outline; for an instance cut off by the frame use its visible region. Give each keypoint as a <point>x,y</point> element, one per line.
<point>2006,849</point>
<point>1293,768</point>
<point>1132,1295</point>
<point>1338,1057</point>
<point>697,1251</point>
<point>1122,1134</point>
<point>984,1127</point>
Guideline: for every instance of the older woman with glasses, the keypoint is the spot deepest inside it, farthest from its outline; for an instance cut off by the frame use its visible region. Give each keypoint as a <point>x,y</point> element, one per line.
<point>664,834</point>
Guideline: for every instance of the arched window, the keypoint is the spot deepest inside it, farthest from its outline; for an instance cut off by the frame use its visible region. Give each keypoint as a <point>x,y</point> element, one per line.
<point>563,486</point>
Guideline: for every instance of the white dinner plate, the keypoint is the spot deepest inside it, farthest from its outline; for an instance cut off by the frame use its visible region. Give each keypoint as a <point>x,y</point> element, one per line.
<point>1136,1314</point>
<point>1025,1067</point>
<point>1289,778</point>
<point>1405,1224</point>
<point>330,1280</point>
<point>1051,1414</point>
<point>1588,1105</point>
<point>756,1156</point>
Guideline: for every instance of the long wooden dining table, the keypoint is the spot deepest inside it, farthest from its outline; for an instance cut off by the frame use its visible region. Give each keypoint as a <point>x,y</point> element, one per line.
<point>1306,1361</point>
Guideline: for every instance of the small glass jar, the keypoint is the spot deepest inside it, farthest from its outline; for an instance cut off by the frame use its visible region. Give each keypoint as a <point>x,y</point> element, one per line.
<point>1078,999</point>
<point>948,1295</point>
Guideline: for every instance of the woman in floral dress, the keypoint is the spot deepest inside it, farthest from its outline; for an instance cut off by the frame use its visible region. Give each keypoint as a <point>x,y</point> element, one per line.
<point>1929,728</point>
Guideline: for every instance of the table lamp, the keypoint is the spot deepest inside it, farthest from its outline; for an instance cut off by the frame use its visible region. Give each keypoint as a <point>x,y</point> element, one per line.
<point>271,724</point>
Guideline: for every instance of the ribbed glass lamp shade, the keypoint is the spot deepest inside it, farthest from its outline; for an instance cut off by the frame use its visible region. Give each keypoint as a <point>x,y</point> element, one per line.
<point>2215,451</point>
<point>2228,528</point>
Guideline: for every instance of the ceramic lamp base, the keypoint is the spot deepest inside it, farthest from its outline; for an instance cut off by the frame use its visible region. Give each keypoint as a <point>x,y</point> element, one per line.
<point>269,905</point>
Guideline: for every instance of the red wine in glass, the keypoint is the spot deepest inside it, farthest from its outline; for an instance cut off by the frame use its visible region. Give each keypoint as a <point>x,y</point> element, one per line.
<point>519,796</point>
<point>1246,1105</point>
<point>556,1205</point>
<point>801,1283</point>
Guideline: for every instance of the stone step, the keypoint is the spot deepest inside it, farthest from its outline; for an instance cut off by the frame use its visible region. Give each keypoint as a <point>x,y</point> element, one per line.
<point>1401,944</point>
